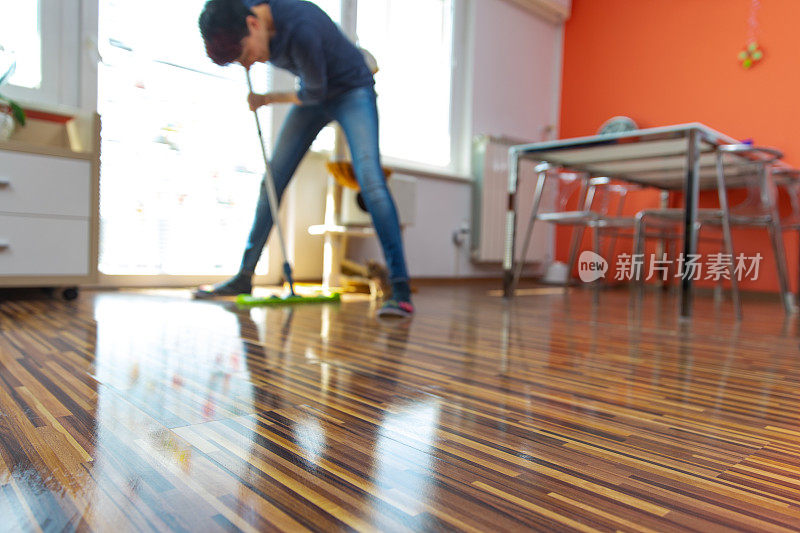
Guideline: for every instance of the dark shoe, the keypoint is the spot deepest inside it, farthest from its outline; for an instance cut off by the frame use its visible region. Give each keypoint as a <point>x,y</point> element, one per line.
<point>395,309</point>
<point>233,287</point>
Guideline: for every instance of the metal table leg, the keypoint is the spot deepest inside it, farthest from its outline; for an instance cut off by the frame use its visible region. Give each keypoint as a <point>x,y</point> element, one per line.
<point>661,244</point>
<point>691,193</point>
<point>541,177</point>
<point>511,223</point>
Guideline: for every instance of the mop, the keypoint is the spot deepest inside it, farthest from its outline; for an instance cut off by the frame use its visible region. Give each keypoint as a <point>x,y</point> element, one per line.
<point>272,197</point>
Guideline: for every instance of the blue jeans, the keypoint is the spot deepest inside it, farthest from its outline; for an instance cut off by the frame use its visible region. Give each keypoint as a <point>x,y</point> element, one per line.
<point>357,113</point>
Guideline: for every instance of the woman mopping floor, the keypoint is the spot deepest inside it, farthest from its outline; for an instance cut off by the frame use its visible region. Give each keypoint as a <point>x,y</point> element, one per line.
<point>335,85</point>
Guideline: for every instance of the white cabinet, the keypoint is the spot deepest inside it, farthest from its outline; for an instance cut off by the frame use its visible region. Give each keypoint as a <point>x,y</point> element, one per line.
<point>44,185</point>
<point>49,207</point>
<point>44,246</point>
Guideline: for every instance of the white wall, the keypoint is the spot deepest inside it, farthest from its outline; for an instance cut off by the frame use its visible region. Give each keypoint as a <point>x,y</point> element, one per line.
<point>517,76</point>
<point>513,91</point>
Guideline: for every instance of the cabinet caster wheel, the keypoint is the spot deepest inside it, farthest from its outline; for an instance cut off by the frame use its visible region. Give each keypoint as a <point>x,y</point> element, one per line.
<point>70,293</point>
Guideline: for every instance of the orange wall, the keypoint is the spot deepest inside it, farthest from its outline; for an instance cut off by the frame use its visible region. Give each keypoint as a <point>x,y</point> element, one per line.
<point>665,62</point>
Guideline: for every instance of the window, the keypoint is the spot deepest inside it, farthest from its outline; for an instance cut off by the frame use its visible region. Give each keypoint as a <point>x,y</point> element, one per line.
<point>326,139</point>
<point>20,35</point>
<point>180,161</point>
<point>412,41</point>
<point>46,37</point>
<point>181,166</point>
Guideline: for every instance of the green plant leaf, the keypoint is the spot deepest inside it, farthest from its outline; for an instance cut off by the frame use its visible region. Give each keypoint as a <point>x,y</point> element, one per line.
<point>18,112</point>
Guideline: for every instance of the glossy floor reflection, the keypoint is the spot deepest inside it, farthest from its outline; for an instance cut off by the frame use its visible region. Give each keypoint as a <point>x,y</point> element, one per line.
<point>149,411</point>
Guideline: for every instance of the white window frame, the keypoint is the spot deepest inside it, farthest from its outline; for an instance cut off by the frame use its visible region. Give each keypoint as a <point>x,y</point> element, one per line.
<point>461,90</point>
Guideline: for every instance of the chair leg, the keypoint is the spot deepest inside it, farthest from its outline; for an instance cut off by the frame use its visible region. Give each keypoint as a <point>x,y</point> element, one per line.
<point>776,236</point>
<point>577,237</point>
<point>597,284</point>
<point>718,292</point>
<point>596,247</point>
<point>669,251</point>
<point>737,300</point>
<point>639,237</point>
<point>726,232</point>
<point>638,250</point>
<point>612,246</point>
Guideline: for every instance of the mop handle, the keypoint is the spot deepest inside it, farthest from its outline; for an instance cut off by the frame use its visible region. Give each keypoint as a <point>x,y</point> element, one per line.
<point>272,196</point>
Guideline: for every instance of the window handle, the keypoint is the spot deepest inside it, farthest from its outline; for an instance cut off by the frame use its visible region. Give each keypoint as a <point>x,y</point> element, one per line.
<point>4,182</point>
<point>92,48</point>
<point>4,245</point>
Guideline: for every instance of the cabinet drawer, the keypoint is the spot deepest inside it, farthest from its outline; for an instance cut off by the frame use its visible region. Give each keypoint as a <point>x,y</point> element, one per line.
<point>36,246</point>
<point>44,185</point>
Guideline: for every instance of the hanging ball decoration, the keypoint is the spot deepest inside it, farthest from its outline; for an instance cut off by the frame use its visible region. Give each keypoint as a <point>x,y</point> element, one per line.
<point>751,55</point>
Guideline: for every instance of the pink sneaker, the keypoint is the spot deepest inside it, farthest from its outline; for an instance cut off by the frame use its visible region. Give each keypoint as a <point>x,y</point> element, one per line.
<point>395,309</point>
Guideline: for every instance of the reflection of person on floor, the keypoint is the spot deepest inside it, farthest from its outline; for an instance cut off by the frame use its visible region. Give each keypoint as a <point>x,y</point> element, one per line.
<point>258,359</point>
<point>311,428</point>
<point>335,85</point>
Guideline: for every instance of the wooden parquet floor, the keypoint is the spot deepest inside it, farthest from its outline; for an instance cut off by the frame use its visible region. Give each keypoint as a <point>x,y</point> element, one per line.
<point>136,411</point>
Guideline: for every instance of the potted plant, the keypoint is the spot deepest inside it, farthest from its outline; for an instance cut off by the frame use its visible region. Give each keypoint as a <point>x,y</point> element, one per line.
<point>10,112</point>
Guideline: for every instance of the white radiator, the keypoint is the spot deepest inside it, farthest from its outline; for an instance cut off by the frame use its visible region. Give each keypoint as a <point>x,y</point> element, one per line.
<point>490,198</point>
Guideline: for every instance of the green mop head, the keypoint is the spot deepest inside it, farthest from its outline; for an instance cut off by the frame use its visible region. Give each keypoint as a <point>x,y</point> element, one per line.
<point>248,300</point>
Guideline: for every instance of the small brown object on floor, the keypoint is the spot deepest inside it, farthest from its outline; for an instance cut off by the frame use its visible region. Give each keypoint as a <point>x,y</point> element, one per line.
<point>378,280</point>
